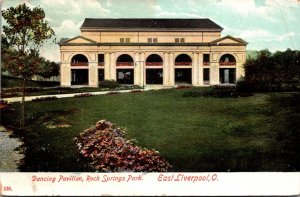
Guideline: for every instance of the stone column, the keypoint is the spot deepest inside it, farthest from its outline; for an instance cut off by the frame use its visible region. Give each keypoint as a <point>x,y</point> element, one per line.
<point>113,70</point>
<point>143,70</point>
<point>137,69</point>
<point>200,58</point>
<point>172,69</point>
<point>166,70</point>
<point>214,73</point>
<point>240,72</point>
<point>65,74</point>
<point>93,74</point>
<point>195,69</point>
<point>106,66</point>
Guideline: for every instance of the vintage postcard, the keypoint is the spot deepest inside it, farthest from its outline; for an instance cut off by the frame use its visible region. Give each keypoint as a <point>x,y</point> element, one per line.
<point>150,97</point>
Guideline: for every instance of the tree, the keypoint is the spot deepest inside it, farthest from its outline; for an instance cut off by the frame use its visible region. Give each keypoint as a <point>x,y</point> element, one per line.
<point>48,69</point>
<point>273,72</point>
<point>25,33</point>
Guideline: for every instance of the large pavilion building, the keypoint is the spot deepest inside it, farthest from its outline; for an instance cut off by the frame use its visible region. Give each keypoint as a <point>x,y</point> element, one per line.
<point>165,52</point>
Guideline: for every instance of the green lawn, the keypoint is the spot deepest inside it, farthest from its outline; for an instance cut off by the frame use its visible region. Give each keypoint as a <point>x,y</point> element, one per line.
<point>257,133</point>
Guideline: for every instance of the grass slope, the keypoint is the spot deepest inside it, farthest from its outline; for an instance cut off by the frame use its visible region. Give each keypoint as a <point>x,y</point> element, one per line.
<point>193,134</point>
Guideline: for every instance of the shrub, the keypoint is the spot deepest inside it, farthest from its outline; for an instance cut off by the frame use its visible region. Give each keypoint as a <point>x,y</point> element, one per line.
<point>106,149</point>
<point>5,106</point>
<point>48,98</point>
<point>218,91</point>
<point>183,87</point>
<point>136,91</point>
<point>111,84</point>
<point>113,93</point>
<point>224,91</point>
<point>244,88</point>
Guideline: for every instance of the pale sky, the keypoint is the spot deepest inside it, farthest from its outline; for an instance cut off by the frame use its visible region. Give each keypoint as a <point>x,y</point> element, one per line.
<point>264,24</point>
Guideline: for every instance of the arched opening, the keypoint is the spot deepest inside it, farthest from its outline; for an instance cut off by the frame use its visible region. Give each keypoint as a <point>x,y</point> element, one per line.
<point>125,75</point>
<point>124,60</point>
<point>154,60</point>
<point>227,69</point>
<point>183,75</point>
<point>227,60</point>
<point>154,75</point>
<point>79,60</point>
<point>183,60</point>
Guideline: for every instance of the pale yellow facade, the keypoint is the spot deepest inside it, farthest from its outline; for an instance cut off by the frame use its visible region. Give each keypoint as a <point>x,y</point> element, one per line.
<point>109,46</point>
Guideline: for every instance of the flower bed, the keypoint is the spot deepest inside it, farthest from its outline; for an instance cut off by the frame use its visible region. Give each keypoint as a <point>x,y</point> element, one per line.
<point>107,149</point>
<point>41,99</point>
<point>83,95</point>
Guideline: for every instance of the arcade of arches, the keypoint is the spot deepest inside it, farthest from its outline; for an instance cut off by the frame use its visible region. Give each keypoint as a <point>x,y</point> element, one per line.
<point>168,69</point>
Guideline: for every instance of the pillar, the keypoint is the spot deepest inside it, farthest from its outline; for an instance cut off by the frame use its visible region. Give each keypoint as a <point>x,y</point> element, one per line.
<point>93,74</point>
<point>240,71</point>
<point>200,58</point>
<point>195,69</point>
<point>106,66</point>
<point>166,70</point>
<point>214,73</point>
<point>142,69</point>
<point>137,69</point>
<point>172,69</point>
<point>65,74</point>
<point>112,66</point>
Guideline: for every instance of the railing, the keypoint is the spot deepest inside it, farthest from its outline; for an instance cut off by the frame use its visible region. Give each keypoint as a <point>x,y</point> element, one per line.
<point>100,63</point>
<point>79,63</point>
<point>154,63</point>
<point>183,63</point>
<point>124,63</point>
<point>227,63</point>
<point>205,63</point>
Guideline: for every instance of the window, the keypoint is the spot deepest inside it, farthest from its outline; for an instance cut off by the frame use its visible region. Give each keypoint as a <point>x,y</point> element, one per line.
<point>152,39</point>
<point>179,40</point>
<point>100,59</point>
<point>123,40</point>
<point>205,57</point>
<point>206,75</point>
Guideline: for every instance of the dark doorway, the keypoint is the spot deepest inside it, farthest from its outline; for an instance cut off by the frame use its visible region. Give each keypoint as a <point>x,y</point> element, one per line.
<point>183,75</point>
<point>227,75</point>
<point>206,75</point>
<point>79,77</point>
<point>125,76</point>
<point>154,76</point>
<point>100,74</point>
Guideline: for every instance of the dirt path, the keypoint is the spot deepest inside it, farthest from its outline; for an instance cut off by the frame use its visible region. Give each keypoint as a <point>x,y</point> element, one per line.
<point>9,157</point>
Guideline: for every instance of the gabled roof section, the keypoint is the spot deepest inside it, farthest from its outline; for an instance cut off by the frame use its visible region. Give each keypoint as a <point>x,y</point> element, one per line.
<point>229,40</point>
<point>148,24</point>
<point>77,40</point>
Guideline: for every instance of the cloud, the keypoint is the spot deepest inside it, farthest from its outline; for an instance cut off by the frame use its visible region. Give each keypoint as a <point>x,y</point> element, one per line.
<point>67,28</point>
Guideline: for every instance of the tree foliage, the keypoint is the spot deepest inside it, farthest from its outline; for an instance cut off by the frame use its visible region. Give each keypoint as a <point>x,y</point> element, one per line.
<point>273,72</point>
<point>48,69</point>
<point>25,32</point>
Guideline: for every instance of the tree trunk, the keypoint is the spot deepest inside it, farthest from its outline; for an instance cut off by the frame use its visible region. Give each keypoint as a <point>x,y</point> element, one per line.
<point>23,105</point>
